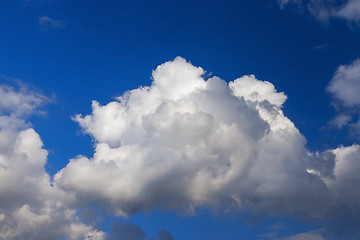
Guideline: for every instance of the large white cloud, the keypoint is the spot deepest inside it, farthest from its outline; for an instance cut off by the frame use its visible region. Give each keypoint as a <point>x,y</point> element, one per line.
<point>30,208</point>
<point>185,142</point>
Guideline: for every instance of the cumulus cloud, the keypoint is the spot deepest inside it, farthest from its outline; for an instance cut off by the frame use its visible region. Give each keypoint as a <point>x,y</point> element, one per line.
<point>180,143</point>
<point>345,88</point>
<point>344,187</point>
<point>50,23</point>
<point>30,207</point>
<point>324,10</point>
<point>185,142</point>
<point>345,84</point>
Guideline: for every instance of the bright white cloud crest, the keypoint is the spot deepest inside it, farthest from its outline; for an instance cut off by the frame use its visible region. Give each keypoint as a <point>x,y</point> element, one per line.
<point>183,142</point>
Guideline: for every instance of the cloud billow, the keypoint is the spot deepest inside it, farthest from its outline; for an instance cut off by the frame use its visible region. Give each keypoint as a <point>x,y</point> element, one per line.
<point>184,142</point>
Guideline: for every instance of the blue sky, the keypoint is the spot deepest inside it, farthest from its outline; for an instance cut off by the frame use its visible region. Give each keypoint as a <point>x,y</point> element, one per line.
<point>57,56</point>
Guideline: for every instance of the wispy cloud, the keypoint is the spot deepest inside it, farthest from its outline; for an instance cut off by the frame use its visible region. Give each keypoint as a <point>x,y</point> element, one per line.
<point>21,99</point>
<point>312,235</point>
<point>322,46</point>
<point>324,10</point>
<point>50,23</point>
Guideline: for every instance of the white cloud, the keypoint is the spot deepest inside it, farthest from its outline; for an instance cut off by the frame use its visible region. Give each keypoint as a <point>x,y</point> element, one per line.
<point>47,22</point>
<point>322,46</point>
<point>185,142</point>
<point>344,216</point>
<point>20,102</point>
<point>30,208</point>
<point>345,84</point>
<point>257,91</point>
<point>349,11</point>
<point>346,174</point>
<point>345,88</point>
<point>312,235</point>
<point>324,10</point>
<point>341,120</point>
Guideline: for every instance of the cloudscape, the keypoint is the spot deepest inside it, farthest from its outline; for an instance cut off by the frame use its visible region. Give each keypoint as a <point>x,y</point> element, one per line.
<point>239,132</point>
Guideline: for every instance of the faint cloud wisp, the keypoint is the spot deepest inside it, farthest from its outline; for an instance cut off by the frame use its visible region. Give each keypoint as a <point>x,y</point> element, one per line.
<point>49,23</point>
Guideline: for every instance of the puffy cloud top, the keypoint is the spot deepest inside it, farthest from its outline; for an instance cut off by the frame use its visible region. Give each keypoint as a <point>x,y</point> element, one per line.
<point>185,142</point>
<point>345,84</point>
<point>254,90</point>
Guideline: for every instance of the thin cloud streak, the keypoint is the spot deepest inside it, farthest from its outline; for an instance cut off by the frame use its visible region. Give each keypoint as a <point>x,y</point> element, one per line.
<point>325,10</point>
<point>49,23</point>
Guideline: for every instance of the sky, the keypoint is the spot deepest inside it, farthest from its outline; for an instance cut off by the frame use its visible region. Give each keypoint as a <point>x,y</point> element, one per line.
<point>162,120</point>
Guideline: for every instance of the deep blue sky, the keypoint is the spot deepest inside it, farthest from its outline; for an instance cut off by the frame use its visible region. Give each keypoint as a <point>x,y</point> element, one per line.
<point>108,47</point>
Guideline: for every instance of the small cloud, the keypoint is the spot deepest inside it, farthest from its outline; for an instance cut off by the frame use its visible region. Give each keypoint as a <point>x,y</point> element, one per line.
<point>340,121</point>
<point>345,84</point>
<point>283,3</point>
<point>312,235</point>
<point>322,46</point>
<point>344,88</point>
<point>269,235</point>
<point>20,99</point>
<point>324,10</point>
<point>50,23</point>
